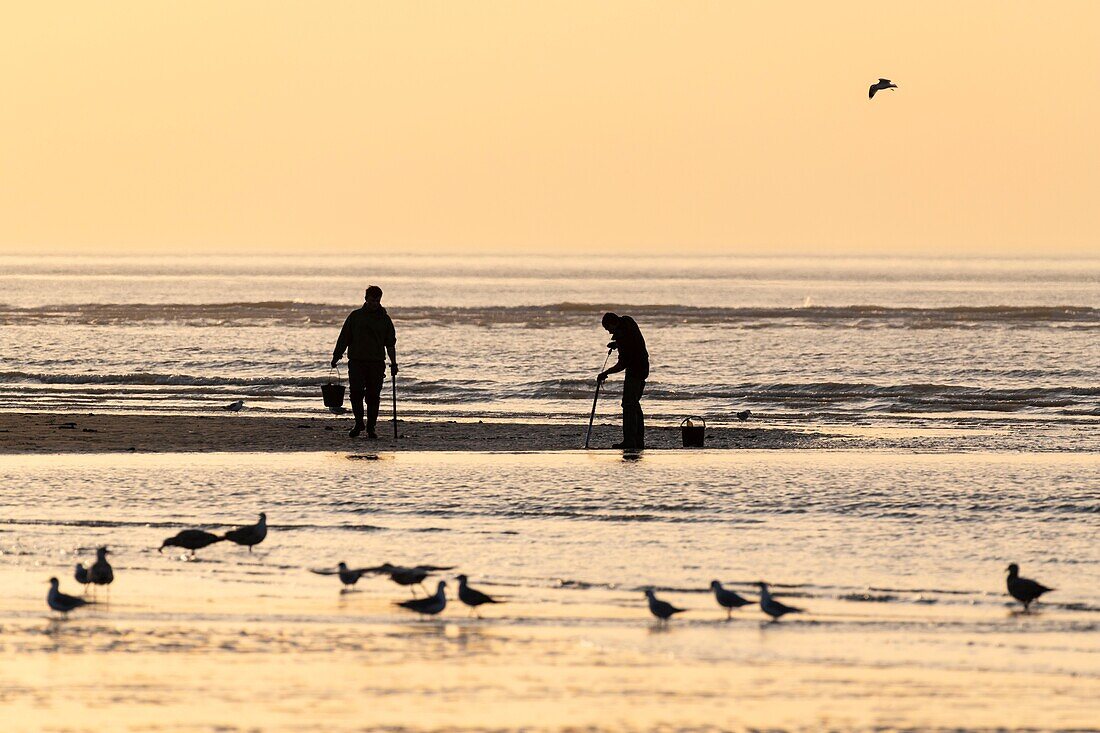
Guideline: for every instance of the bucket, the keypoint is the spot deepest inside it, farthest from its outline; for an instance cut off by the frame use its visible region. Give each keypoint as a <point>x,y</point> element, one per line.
<point>333,394</point>
<point>693,434</point>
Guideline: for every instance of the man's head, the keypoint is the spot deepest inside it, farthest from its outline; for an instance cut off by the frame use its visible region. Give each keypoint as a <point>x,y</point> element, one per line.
<point>373,296</point>
<point>610,322</point>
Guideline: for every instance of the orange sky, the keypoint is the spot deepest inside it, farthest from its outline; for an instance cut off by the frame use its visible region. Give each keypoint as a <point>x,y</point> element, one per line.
<point>706,127</point>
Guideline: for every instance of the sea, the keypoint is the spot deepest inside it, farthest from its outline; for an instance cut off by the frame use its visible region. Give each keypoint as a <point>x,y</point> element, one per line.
<point>1008,349</point>
<point>969,388</point>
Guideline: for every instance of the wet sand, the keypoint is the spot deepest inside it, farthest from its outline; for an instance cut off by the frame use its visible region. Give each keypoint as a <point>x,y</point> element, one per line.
<point>22,433</point>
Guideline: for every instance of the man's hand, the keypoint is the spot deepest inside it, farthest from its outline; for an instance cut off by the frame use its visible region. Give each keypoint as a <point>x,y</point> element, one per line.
<point>393,369</point>
<point>612,345</point>
<point>335,362</point>
<point>601,377</point>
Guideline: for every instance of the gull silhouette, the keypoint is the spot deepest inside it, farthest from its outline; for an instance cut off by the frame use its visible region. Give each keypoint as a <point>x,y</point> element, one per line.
<point>879,85</point>
<point>191,539</point>
<point>429,606</point>
<point>61,602</point>
<point>348,576</point>
<point>472,597</point>
<point>251,534</point>
<point>772,607</point>
<point>1024,590</point>
<point>727,599</point>
<point>663,610</point>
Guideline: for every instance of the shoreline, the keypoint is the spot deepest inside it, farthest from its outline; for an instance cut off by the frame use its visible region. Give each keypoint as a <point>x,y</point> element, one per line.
<point>44,433</point>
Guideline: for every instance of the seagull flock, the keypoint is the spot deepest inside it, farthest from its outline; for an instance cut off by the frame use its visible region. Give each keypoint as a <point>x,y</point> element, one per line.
<point>100,573</point>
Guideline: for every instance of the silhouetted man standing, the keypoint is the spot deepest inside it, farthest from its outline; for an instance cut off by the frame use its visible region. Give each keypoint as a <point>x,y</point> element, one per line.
<point>367,335</point>
<point>634,360</point>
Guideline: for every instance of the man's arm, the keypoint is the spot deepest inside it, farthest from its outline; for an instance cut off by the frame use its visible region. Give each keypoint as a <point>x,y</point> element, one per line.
<point>342,342</point>
<point>391,347</point>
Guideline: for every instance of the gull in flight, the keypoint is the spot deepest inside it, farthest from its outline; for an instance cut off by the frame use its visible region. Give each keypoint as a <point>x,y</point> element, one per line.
<point>879,85</point>
<point>251,534</point>
<point>235,406</point>
<point>429,606</point>
<point>772,607</point>
<point>727,599</point>
<point>191,539</point>
<point>348,576</point>
<point>663,610</point>
<point>61,602</point>
<point>471,597</point>
<point>408,576</point>
<point>1024,590</point>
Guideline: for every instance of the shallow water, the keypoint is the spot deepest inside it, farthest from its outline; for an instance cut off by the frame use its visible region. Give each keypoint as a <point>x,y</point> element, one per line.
<point>898,558</point>
<point>802,342</point>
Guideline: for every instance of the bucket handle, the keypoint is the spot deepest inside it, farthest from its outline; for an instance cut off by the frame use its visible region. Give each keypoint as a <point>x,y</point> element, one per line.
<point>693,417</point>
<point>337,370</point>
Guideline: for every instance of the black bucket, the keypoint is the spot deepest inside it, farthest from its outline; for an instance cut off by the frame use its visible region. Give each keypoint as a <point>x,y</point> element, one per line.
<point>693,434</point>
<point>333,394</point>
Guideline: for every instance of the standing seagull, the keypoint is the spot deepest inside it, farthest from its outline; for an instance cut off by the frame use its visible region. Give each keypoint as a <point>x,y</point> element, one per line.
<point>471,597</point>
<point>879,85</point>
<point>348,576</point>
<point>429,606</point>
<point>61,602</point>
<point>727,599</point>
<point>772,607</point>
<point>235,406</point>
<point>1024,590</point>
<point>661,609</point>
<point>251,534</point>
<point>191,539</point>
<point>81,575</point>
<point>101,573</point>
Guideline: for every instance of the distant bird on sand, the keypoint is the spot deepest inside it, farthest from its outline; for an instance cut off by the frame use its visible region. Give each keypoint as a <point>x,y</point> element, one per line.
<point>251,534</point>
<point>727,599</point>
<point>61,602</point>
<point>101,572</point>
<point>429,606</point>
<point>235,406</point>
<point>81,575</point>
<point>1024,590</point>
<point>348,576</point>
<point>191,539</point>
<point>471,597</point>
<point>879,85</point>
<point>772,607</point>
<point>744,415</point>
<point>661,609</point>
<point>409,576</point>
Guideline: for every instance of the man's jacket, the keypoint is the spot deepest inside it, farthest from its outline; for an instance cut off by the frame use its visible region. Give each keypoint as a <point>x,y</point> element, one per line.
<point>365,335</point>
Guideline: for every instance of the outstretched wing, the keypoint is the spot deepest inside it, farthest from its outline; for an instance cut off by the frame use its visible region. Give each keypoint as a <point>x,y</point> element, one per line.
<point>884,82</point>
<point>871,91</point>
<point>324,571</point>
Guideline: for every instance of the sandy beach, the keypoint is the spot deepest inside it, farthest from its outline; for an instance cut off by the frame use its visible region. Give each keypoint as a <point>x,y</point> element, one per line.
<point>33,433</point>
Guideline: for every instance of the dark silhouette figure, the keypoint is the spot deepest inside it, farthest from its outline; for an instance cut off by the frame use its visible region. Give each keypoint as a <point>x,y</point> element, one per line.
<point>727,599</point>
<point>1024,590</point>
<point>663,610</point>
<point>634,360</point>
<point>408,576</point>
<point>429,606</point>
<point>191,539</point>
<point>81,575</point>
<point>250,535</point>
<point>772,607</point>
<point>101,573</point>
<point>348,576</point>
<point>367,335</point>
<point>880,85</point>
<point>61,602</point>
<point>471,597</point>
<point>744,415</point>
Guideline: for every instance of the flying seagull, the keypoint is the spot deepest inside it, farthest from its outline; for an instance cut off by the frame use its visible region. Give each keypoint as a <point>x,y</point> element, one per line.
<point>429,606</point>
<point>408,576</point>
<point>1024,590</point>
<point>661,609</point>
<point>191,539</point>
<point>879,85</point>
<point>235,406</point>
<point>348,576</point>
<point>471,597</point>
<point>61,602</point>
<point>252,534</point>
<point>772,607</point>
<point>727,599</point>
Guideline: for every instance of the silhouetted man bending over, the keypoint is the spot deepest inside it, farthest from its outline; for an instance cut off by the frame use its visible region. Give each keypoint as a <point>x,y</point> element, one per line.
<point>634,360</point>
<point>367,335</point>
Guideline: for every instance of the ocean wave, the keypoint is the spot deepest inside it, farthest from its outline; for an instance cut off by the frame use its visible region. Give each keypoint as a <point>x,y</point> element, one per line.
<point>294,313</point>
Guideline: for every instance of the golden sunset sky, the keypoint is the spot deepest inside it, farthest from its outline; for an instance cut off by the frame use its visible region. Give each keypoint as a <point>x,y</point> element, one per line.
<point>550,127</point>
